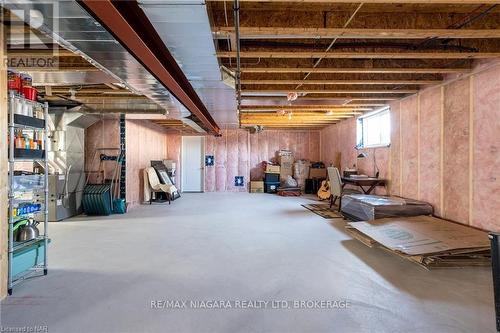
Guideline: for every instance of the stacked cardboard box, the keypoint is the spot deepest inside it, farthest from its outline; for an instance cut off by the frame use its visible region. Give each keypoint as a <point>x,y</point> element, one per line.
<point>428,241</point>
<point>257,186</point>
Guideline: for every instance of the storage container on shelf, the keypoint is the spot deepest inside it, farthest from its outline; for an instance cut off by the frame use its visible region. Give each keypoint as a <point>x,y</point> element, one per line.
<point>14,81</point>
<point>26,80</point>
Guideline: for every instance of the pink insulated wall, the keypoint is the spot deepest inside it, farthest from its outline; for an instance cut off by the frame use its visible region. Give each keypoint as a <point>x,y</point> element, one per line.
<point>239,153</point>
<point>444,148</point>
<point>145,141</point>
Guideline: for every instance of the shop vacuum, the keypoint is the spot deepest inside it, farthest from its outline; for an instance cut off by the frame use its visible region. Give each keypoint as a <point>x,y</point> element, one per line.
<point>495,265</point>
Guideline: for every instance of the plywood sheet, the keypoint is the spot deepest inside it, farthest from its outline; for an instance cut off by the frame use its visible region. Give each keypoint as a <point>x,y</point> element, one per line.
<point>430,147</point>
<point>409,146</point>
<point>486,191</point>
<point>456,151</point>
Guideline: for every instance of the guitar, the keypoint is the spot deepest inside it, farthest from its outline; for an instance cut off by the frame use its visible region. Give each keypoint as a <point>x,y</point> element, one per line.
<point>324,190</point>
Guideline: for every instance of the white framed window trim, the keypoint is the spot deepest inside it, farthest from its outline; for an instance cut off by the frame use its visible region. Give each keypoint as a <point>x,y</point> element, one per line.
<point>374,129</point>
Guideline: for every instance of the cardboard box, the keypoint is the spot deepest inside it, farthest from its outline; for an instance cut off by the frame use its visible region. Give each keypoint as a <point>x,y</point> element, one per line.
<point>317,173</point>
<point>257,186</point>
<point>422,235</point>
<point>425,240</point>
<point>286,163</point>
<point>273,169</point>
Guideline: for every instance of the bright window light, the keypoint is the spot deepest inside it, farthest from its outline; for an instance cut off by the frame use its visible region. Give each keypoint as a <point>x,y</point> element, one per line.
<point>374,130</point>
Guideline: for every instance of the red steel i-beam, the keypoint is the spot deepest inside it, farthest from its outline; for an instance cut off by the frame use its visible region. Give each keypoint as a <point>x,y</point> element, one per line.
<point>126,21</point>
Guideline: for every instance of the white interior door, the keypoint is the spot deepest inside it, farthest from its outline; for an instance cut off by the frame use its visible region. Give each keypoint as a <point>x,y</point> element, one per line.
<point>193,163</point>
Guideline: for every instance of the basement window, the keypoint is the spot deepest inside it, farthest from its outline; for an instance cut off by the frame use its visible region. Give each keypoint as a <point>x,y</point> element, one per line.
<point>374,129</point>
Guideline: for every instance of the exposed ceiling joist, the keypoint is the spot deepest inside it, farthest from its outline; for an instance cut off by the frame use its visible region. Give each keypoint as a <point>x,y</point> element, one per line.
<point>346,99</point>
<point>316,33</point>
<point>293,43</point>
<point>331,70</point>
<point>354,82</point>
<point>340,108</point>
<point>360,55</point>
<point>350,98</point>
<point>323,91</point>
<point>294,116</point>
<point>303,112</point>
<point>423,2</point>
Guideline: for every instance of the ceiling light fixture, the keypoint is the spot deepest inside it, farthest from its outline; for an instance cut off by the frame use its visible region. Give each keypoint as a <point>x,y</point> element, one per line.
<point>292,96</point>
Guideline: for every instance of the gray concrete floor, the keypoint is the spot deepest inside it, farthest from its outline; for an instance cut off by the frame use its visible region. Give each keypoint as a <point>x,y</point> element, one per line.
<point>104,273</point>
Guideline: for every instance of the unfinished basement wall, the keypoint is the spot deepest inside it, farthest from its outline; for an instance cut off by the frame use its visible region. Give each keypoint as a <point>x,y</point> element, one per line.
<point>103,134</point>
<point>174,144</point>
<point>144,142</point>
<point>444,148</point>
<point>337,149</point>
<point>239,153</point>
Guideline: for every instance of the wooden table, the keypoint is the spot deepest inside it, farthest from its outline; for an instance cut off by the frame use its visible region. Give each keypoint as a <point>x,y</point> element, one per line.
<point>369,182</point>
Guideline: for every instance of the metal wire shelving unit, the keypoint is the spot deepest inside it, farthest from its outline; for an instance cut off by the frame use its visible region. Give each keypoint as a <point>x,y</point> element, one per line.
<point>34,195</point>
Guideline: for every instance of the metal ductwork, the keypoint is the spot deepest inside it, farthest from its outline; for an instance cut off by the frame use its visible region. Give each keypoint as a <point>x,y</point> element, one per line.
<point>61,78</point>
<point>129,25</point>
<point>81,33</point>
<point>184,27</point>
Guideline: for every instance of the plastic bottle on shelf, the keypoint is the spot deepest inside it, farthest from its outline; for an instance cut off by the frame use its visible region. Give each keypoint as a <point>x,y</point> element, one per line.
<point>26,142</point>
<point>17,140</point>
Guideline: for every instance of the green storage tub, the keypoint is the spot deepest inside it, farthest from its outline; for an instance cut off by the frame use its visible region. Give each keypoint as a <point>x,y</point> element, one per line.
<point>27,258</point>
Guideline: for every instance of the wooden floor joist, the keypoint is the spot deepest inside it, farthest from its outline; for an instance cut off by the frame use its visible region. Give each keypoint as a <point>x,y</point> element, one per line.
<point>335,54</point>
<point>359,55</point>
<point>316,33</point>
<point>354,70</point>
<point>322,98</point>
<point>338,82</point>
<point>423,2</point>
<point>323,91</point>
<point>351,98</point>
<point>347,108</point>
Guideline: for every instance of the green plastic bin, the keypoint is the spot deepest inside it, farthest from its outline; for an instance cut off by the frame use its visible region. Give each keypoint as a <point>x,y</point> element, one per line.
<point>28,257</point>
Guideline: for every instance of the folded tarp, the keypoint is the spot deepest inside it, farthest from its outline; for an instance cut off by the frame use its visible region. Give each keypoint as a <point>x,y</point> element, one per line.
<point>363,207</point>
